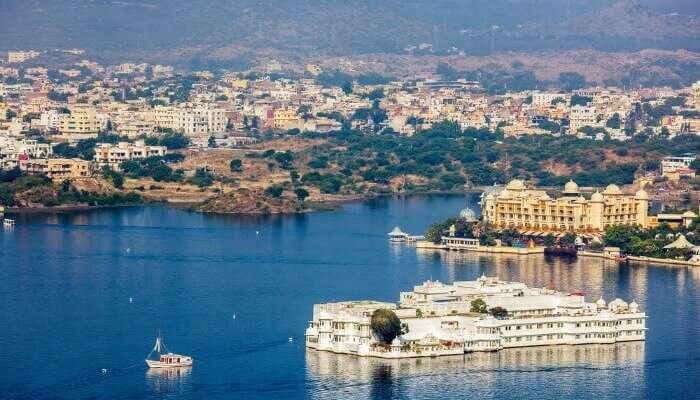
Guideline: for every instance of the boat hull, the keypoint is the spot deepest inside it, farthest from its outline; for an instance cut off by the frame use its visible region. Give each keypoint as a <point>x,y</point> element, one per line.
<point>160,364</point>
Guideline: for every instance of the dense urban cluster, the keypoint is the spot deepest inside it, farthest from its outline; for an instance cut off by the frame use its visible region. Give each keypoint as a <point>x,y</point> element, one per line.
<point>68,121</point>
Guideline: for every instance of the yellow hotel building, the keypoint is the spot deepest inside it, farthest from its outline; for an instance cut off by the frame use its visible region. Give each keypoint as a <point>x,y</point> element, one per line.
<point>532,210</point>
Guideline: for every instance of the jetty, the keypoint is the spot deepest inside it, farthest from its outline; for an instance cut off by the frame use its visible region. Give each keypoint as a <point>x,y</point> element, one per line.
<point>398,236</point>
<point>467,244</point>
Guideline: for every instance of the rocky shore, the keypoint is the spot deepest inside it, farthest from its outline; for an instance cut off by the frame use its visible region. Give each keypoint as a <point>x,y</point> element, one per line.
<point>246,201</point>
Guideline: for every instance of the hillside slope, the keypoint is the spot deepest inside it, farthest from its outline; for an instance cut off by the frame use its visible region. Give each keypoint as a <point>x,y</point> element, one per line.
<point>226,29</point>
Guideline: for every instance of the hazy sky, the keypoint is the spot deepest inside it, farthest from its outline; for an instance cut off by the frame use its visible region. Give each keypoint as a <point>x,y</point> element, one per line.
<point>687,6</point>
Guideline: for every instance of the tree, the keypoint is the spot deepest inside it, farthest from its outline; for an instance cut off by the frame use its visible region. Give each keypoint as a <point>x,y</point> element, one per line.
<point>569,239</point>
<point>174,141</point>
<point>436,230</point>
<point>571,81</point>
<point>577,100</point>
<point>478,306</point>
<point>614,122</point>
<point>499,312</point>
<point>294,176</point>
<point>236,165</point>
<point>549,240</point>
<point>274,191</point>
<point>202,178</point>
<point>301,193</point>
<point>385,325</point>
<point>211,142</point>
<point>347,87</point>
<point>284,159</point>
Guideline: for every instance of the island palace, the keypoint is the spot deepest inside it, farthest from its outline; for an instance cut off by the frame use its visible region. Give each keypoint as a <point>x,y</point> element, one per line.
<point>439,321</point>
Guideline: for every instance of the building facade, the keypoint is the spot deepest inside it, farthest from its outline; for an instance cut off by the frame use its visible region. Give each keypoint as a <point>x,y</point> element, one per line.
<point>81,123</point>
<point>519,207</point>
<point>57,168</point>
<point>438,320</point>
<point>21,56</point>
<point>113,155</point>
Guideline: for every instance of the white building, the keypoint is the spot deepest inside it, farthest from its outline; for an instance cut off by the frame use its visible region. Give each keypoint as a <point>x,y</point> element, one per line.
<point>581,116</point>
<point>545,99</point>
<point>675,163</point>
<point>439,321</point>
<point>197,121</point>
<point>113,155</point>
<point>13,149</point>
<point>21,56</point>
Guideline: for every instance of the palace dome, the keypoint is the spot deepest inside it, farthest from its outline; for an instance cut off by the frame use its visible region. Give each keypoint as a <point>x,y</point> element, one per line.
<point>516,184</point>
<point>468,215</point>
<point>600,303</point>
<point>612,189</point>
<point>571,187</point>
<point>597,197</point>
<point>634,307</point>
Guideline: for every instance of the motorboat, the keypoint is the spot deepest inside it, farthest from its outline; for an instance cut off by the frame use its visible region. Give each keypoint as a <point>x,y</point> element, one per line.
<point>166,359</point>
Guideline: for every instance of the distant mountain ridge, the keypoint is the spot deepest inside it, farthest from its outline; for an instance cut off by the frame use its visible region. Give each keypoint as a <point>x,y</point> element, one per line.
<point>227,29</point>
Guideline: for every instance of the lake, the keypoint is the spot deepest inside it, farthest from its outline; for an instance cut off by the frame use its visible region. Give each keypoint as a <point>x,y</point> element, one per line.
<point>85,291</point>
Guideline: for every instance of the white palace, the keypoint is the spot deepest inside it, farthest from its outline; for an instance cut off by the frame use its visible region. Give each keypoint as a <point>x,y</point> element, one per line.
<point>439,321</point>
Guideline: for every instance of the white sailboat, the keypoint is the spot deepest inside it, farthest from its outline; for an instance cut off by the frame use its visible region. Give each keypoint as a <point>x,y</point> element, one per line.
<point>166,359</point>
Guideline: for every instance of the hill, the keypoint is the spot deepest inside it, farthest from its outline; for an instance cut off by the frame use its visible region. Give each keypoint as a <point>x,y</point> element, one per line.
<point>235,30</point>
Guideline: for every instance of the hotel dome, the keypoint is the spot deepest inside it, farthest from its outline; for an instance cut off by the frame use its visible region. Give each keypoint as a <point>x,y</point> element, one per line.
<point>571,188</point>
<point>516,184</point>
<point>612,189</point>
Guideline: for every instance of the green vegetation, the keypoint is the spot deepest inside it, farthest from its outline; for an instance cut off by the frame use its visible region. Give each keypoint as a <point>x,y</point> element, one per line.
<point>171,140</point>
<point>636,241</point>
<point>301,193</point>
<point>499,312</point>
<point>448,157</point>
<point>327,183</point>
<point>14,182</point>
<point>85,148</point>
<point>274,191</point>
<point>236,165</point>
<point>17,190</point>
<point>201,178</point>
<point>113,176</point>
<point>385,325</point>
<point>154,167</point>
<point>569,81</point>
<point>478,306</point>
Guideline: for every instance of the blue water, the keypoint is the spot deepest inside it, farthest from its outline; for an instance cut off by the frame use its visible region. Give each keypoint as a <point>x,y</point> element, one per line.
<point>66,281</point>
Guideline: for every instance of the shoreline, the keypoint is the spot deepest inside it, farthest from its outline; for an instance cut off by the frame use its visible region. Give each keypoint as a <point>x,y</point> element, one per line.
<point>330,204</point>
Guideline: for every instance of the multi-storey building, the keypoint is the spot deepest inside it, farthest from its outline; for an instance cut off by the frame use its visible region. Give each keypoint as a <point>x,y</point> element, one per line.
<point>287,119</point>
<point>696,94</point>
<point>581,116</point>
<point>674,163</point>
<point>57,168</point>
<point>545,99</point>
<point>81,123</point>
<point>517,206</point>
<point>21,56</point>
<point>191,121</point>
<point>12,150</point>
<point>113,155</point>
<point>438,320</point>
